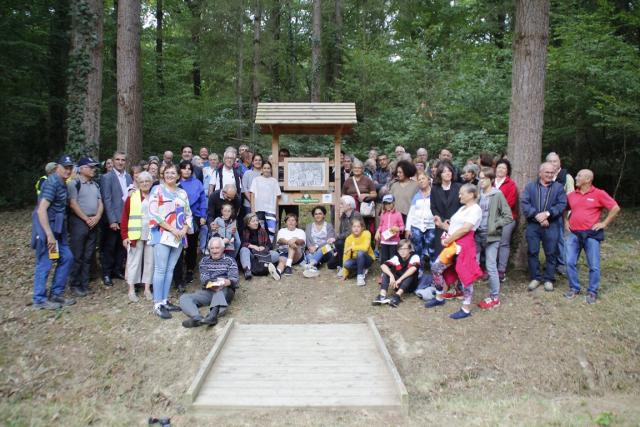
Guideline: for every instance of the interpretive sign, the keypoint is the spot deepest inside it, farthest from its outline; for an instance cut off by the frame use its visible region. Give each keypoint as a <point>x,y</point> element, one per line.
<point>306,173</point>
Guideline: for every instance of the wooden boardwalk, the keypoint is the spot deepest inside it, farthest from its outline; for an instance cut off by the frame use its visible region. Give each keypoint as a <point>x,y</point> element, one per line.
<point>317,365</point>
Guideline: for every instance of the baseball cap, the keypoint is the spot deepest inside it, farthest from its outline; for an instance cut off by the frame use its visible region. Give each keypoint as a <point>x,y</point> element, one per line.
<point>388,198</point>
<point>66,160</point>
<point>50,167</point>
<point>87,161</point>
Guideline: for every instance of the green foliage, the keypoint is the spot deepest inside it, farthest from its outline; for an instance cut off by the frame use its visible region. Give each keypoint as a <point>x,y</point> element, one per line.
<point>605,419</point>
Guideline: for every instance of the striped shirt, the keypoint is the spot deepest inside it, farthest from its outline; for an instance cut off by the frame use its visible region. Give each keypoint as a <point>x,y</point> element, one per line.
<point>212,269</point>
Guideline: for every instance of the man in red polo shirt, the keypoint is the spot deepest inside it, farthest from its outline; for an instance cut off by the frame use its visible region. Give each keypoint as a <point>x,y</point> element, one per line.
<point>587,231</point>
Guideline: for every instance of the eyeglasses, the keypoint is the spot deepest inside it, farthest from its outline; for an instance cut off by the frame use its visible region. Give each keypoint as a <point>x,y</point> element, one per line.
<point>405,248</point>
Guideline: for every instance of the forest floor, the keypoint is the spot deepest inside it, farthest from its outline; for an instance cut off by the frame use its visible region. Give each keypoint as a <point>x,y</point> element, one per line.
<point>538,359</point>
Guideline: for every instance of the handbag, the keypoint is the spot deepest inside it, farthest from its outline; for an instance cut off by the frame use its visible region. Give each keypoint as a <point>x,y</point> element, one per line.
<point>260,263</point>
<point>367,209</point>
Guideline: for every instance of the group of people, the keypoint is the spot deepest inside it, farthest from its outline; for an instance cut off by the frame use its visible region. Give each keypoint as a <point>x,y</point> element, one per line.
<point>435,229</point>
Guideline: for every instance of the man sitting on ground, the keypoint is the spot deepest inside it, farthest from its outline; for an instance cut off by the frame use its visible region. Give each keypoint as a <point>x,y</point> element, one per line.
<point>219,279</point>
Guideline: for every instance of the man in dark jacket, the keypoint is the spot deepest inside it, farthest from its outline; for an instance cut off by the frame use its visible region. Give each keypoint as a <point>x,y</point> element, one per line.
<point>113,186</point>
<point>543,203</point>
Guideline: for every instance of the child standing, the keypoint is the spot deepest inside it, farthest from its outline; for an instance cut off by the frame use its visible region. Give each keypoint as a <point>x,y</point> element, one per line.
<point>389,230</point>
<point>225,227</point>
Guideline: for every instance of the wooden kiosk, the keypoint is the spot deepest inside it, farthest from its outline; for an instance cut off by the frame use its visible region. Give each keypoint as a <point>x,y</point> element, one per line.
<point>307,180</point>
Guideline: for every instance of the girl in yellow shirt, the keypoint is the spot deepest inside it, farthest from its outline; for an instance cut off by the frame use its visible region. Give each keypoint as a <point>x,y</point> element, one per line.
<point>358,254</point>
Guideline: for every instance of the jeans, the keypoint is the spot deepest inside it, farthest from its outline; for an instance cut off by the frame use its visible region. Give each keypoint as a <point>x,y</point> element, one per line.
<point>408,285</point>
<point>548,236</point>
<point>318,257</point>
<point>562,250</point>
<point>82,241</point>
<point>360,263</point>
<point>490,259</point>
<point>505,246</point>
<point>424,243</point>
<point>43,267</point>
<point>336,261</point>
<point>592,251</point>
<point>164,261</point>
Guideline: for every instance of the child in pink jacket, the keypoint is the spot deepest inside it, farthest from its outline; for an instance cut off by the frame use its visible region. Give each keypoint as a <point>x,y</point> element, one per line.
<point>390,229</point>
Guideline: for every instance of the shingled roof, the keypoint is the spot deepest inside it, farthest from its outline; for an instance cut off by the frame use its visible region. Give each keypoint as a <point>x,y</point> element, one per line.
<point>306,118</point>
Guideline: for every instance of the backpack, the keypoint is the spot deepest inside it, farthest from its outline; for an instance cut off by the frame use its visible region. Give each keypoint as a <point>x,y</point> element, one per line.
<point>260,263</point>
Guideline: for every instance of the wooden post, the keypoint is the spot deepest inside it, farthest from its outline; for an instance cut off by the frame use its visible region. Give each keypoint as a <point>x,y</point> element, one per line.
<point>275,147</point>
<point>337,192</point>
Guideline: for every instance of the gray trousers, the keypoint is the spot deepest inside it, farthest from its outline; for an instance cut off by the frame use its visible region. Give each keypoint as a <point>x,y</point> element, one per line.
<point>505,246</point>
<point>245,257</point>
<point>82,242</point>
<point>189,303</point>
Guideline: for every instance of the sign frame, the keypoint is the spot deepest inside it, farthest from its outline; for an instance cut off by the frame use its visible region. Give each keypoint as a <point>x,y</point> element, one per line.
<point>288,161</point>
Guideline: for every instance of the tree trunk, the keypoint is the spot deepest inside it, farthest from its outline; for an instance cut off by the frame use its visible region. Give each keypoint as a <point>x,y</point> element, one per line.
<point>291,53</point>
<point>194,6</point>
<point>84,104</point>
<point>333,70</point>
<point>276,84</point>
<point>159,42</point>
<point>129,81</point>
<point>58,62</point>
<point>526,115</point>
<point>240,69</point>
<point>315,51</point>
<point>255,77</point>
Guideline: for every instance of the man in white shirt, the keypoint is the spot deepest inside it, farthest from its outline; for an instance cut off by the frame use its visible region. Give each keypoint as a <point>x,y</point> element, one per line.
<point>291,241</point>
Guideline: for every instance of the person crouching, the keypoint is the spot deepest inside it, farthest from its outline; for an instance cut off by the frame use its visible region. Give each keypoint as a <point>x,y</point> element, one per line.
<point>401,273</point>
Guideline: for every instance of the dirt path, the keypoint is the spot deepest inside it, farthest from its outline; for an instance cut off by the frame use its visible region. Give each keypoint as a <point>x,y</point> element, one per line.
<point>538,359</point>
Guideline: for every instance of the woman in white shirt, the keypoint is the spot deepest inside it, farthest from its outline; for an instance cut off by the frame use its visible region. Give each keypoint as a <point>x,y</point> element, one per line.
<point>264,193</point>
<point>421,228</point>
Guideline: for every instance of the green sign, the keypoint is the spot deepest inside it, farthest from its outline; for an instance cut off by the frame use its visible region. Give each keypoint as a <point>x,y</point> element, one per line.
<point>306,198</point>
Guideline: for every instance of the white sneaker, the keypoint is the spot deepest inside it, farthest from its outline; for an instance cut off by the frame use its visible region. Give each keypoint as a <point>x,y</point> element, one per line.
<point>366,270</point>
<point>548,286</point>
<point>533,285</point>
<point>360,280</point>
<point>311,272</point>
<point>340,273</point>
<point>274,271</point>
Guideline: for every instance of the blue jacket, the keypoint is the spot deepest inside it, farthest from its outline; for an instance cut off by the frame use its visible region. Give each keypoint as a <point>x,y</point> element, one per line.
<point>532,203</point>
<point>197,198</point>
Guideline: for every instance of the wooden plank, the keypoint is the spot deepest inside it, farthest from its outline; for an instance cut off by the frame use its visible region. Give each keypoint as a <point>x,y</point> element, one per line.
<point>404,395</point>
<point>206,365</point>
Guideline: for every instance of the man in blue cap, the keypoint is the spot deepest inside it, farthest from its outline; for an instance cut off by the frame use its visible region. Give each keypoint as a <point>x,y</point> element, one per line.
<point>85,211</point>
<point>49,239</point>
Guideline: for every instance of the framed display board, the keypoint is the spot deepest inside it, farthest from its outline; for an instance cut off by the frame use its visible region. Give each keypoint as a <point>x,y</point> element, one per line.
<point>306,173</point>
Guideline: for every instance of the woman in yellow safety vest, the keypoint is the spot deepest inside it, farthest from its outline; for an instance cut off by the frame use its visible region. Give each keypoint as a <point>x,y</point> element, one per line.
<point>134,230</point>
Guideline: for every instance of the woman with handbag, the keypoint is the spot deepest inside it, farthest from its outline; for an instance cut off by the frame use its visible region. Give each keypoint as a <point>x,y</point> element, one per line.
<point>363,190</point>
<point>320,242</point>
<point>255,244</point>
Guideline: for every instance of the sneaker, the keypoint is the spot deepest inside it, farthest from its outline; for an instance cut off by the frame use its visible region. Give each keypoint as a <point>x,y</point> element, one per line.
<point>591,298</point>
<point>340,273</point>
<point>434,303</point>
<point>533,285</point>
<point>288,271</point>
<point>106,280</point>
<point>247,274</point>
<point>191,323</point>
<point>172,307</point>
<point>274,272</point>
<point>360,280</point>
<point>366,271</point>
<point>502,276</point>
<point>379,300</point>
<point>133,297</point>
<point>452,294</point>
<point>311,272</point>
<point>395,301</point>
<point>571,293</point>
<point>548,286</point>
<point>47,305</point>
<point>489,303</point>
<point>62,300</point>
<point>162,312</point>
<point>460,314</point>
